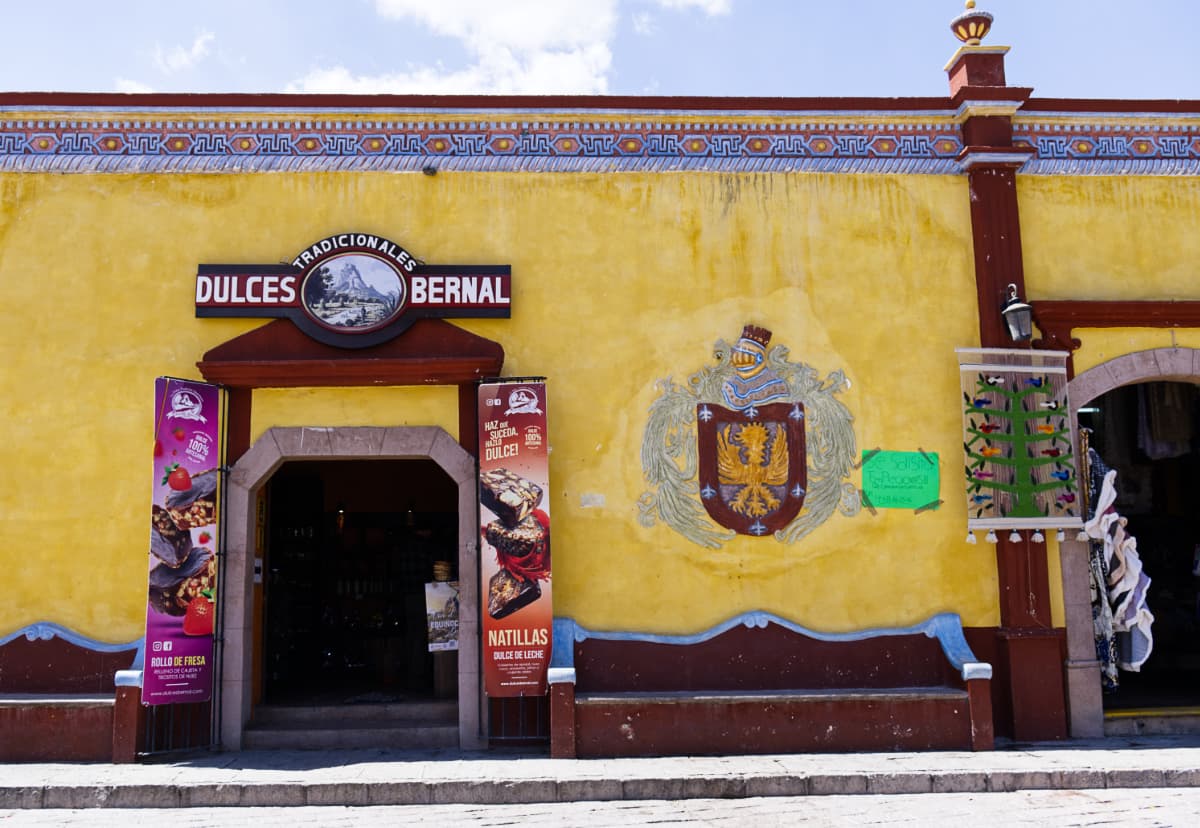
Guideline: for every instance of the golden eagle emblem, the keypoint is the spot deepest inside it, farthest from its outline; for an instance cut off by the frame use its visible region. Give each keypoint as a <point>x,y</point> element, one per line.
<point>754,459</point>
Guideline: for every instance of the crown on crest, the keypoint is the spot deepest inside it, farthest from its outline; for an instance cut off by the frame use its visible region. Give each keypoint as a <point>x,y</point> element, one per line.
<point>756,334</point>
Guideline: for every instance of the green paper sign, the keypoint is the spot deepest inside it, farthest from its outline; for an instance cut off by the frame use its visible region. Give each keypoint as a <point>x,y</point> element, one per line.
<point>900,479</point>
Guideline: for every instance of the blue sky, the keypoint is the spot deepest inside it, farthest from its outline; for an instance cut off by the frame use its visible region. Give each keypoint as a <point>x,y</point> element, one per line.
<point>1063,48</point>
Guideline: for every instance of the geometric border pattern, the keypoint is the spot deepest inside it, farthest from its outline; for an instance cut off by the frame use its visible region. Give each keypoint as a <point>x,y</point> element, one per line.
<point>598,144</point>
<point>1130,146</point>
<point>90,140</point>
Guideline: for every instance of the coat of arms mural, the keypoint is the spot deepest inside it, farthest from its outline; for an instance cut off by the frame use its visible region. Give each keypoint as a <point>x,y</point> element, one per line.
<point>756,446</point>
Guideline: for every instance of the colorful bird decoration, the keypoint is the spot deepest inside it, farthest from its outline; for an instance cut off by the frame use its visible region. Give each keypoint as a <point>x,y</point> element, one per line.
<point>980,402</point>
<point>995,380</point>
<point>1061,475</point>
<point>981,474</point>
<point>981,498</point>
<point>1053,406</point>
<point>1066,497</point>
<point>1035,382</point>
<point>991,451</point>
<point>1051,452</point>
<point>1046,428</point>
<point>988,428</point>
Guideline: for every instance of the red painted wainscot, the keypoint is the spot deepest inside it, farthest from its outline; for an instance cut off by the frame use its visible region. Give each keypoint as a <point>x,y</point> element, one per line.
<point>760,684</point>
<point>58,699</point>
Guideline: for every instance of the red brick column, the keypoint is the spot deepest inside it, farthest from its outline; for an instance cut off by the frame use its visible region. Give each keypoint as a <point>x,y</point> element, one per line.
<point>127,725</point>
<point>562,713</point>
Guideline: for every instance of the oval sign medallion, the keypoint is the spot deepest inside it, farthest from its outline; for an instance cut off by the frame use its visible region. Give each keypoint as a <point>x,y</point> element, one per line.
<point>353,292</point>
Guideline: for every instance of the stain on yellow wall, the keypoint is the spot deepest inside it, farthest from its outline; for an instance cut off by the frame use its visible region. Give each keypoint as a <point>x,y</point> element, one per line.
<point>619,280</point>
<point>394,406</point>
<point>1100,345</point>
<point>1110,237</point>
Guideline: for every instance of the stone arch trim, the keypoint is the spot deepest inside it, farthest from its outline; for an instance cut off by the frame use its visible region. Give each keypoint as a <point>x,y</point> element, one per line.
<point>252,471</point>
<point>1158,364</point>
<point>1082,670</point>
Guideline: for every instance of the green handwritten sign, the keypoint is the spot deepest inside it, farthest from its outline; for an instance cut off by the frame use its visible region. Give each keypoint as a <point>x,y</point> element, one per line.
<point>900,479</point>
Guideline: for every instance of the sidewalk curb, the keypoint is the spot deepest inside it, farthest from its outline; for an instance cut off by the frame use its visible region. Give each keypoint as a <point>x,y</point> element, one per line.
<point>514,791</point>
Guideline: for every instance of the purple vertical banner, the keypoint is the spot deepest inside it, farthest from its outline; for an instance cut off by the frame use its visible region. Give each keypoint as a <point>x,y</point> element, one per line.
<point>181,607</point>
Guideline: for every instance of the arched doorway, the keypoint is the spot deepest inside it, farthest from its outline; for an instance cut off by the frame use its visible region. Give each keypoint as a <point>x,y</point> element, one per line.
<point>254,470</point>
<point>1122,402</point>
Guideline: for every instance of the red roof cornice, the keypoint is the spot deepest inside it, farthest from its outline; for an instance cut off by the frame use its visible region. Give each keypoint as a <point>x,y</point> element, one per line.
<point>109,100</point>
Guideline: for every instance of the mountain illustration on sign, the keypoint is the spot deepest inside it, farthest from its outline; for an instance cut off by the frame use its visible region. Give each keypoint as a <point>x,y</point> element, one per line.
<point>340,296</point>
<point>351,283</point>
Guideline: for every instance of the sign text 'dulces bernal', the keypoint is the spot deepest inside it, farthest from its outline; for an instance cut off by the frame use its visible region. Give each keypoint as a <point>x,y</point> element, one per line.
<point>353,290</point>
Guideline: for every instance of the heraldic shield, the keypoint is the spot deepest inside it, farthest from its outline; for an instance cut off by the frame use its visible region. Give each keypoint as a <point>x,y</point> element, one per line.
<point>752,471</point>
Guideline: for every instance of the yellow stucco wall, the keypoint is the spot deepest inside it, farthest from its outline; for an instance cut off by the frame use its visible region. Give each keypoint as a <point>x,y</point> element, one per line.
<point>398,406</point>
<point>1110,237</point>
<point>1100,345</point>
<point>620,280</point>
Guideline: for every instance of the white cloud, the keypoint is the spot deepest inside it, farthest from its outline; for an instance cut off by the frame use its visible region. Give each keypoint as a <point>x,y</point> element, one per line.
<point>127,85</point>
<point>178,58</point>
<point>516,47</point>
<point>710,7</point>
<point>519,25</point>
<point>643,23</point>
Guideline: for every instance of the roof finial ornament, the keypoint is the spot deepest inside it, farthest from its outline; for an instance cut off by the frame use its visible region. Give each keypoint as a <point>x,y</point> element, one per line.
<point>971,26</point>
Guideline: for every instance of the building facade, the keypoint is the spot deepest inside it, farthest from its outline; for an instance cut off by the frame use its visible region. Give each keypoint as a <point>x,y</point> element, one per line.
<point>668,258</point>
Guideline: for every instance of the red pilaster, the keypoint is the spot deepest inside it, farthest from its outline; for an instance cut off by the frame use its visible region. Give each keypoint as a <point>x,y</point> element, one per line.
<point>1028,643</point>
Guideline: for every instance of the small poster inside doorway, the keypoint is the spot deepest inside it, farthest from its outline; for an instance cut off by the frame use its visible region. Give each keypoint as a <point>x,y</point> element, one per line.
<point>441,610</point>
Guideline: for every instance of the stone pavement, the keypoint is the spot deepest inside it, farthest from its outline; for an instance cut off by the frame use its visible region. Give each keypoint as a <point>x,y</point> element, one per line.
<point>1127,807</point>
<point>390,778</point>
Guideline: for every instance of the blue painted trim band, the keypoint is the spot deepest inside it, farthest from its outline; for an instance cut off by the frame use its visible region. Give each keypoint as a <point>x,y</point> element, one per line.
<point>946,627</point>
<point>417,163</point>
<point>46,630</point>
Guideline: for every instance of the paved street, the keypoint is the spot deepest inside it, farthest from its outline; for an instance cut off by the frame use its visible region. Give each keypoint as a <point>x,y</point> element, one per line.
<point>1127,807</point>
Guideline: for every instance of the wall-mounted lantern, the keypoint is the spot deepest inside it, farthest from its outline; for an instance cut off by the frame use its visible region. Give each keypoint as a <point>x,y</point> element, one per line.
<point>1018,316</point>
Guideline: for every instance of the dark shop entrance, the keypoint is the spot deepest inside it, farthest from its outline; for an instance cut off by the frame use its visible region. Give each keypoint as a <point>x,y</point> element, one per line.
<point>350,548</point>
<point>1148,434</point>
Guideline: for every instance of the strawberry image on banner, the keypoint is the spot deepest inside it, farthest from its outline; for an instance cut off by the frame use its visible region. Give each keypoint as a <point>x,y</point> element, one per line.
<point>181,597</point>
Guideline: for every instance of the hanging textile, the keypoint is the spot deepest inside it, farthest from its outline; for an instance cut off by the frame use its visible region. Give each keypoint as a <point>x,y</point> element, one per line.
<point>1102,621</point>
<point>1125,582</point>
<point>1018,441</point>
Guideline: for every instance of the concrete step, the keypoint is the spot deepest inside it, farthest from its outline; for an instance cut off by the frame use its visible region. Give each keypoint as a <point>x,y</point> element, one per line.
<point>1166,721</point>
<point>361,735</point>
<point>397,726</point>
<point>433,712</point>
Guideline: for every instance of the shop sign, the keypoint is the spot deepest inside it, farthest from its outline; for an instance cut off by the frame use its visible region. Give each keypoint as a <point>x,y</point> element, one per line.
<point>181,606</point>
<point>514,520</point>
<point>353,290</point>
<point>900,479</point>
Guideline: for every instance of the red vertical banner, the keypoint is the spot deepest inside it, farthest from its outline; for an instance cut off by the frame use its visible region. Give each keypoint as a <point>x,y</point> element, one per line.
<point>514,521</point>
<point>181,606</point>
